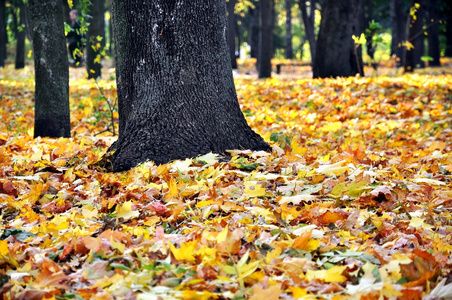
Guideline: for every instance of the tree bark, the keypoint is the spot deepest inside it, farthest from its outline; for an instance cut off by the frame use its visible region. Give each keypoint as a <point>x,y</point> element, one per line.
<point>51,69</point>
<point>309,25</point>
<point>289,36</point>
<point>433,33</point>
<point>3,37</point>
<point>448,19</point>
<point>416,38</point>
<point>95,39</point>
<point>176,92</point>
<point>21,33</point>
<point>266,19</point>
<point>336,54</point>
<point>66,11</point>
<point>398,24</point>
<point>231,31</point>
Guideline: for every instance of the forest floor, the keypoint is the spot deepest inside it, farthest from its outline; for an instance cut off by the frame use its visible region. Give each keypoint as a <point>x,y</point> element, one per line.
<point>354,201</point>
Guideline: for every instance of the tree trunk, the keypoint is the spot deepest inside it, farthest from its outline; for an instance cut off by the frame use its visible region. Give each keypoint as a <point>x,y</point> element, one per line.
<point>398,23</point>
<point>416,38</point>
<point>448,14</point>
<point>3,36</point>
<point>51,69</point>
<point>289,48</point>
<point>231,31</point>
<point>66,11</point>
<point>368,17</point>
<point>20,38</point>
<point>95,39</point>
<point>433,33</point>
<point>176,92</point>
<point>264,59</point>
<point>336,54</point>
<point>309,25</point>
<point>254,30</point>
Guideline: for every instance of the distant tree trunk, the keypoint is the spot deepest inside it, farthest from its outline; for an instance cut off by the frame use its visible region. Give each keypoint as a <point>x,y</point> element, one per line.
<point>309,25</point>
<point>231,31</point>
<point>95,39</point>
<point>368,17</point>
<point>112,39</point>
<point>336,54</point>
<point>289,48</point>
<point>176,92</point>
<point>51,69</point>
<point>254,30</point>
<point>416,38</point>
<point>3,36</point>
<point>266,19</point>
<point>21,33</point>
<point>66,11</point>
<point>398,23</point>
<point>448,52</point>
<point>433,32</point>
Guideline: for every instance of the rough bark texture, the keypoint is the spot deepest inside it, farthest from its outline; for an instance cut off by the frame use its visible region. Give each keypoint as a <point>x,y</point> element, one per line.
<point>433,32</point>
<point>308,21</point>
<point>3,37</point>
<point>20,44</point>
<point>264,59</point>
<point>416,37</point>
<point>51,69</point>
<point>175,88</point>
<point>231,31</point>
<point>95,38</point>
<point>336,54</point>
<point>289,47</point>
<point>398,23</point>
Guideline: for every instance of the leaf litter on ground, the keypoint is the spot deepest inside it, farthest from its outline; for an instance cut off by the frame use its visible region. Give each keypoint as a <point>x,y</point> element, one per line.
<point>354,201</point>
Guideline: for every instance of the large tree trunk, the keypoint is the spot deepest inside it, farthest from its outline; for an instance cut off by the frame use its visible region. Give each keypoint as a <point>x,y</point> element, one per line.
<point>398,24</point>
<point>266,19</point>
<point>231,31</point>
<point>336,54</point>
<point>309,25</point>
<point>289,48</point>
<point>433,32</point>
<point>3,36</point>
<point>95,39</point>
<point>51,69</point>
<point>416,38</point>
<point>21,33</point>
<point>448,15</point>
<point>176,92</point>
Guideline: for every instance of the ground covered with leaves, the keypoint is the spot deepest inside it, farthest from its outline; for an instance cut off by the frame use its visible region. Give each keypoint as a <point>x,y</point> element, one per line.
<point>354,201</point>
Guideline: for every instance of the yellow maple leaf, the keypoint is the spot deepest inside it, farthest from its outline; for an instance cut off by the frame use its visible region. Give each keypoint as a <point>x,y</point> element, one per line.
<point>4,248</point>
<point>185,252</point>
<point>125,211</point>
<point>333,274</point>
<point>254,190</point>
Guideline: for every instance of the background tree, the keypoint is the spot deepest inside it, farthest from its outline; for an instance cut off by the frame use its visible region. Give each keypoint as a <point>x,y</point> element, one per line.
<point>432,24</point>
<point>308,16</point>
<point>21,34</point>
<point>3,35</point>
<point>266,22</point>
<point>289,47</point>
<point>231,31</point>
<point>51,69</point>
<point>176,92</point>
<point>398,25</point>
<point>95,38</point>
<point>448,32</point>
<point>253,40</point>
<point>415,49</point>
<point>335,51</point>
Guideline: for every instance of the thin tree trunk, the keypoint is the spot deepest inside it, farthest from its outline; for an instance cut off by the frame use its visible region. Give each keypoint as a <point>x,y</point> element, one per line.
<point>266,39</point>
<point>231,31</point>
<point>433,33</point>
<point>289,47</point>
<point>21,33</point>
<point>95,39</point>
<point>66,11</point>
<point>254,30</point>
<point>51,69</point>
<point>370,47</point>
<point>336,54</point>
<point>3,36</point>
<point>416,38</point>
<point>398,23</point>
<point>176,92</point>
<point>309,25</point>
